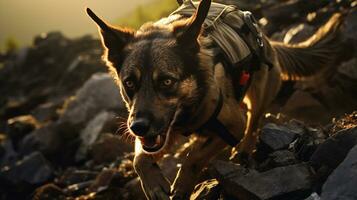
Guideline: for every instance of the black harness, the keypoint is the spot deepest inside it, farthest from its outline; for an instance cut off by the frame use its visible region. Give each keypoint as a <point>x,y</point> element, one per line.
<point>213,124</point>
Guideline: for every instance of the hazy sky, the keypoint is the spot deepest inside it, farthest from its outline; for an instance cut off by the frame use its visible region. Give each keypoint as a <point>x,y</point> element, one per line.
<point>23,19</point>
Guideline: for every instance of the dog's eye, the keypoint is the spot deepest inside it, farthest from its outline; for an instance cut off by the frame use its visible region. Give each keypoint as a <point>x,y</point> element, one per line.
<point>168,82</point>
<point>129,84</point>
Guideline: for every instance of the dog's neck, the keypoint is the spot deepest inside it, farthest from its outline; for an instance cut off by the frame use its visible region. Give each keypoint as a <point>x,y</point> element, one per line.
<point>208,104</point>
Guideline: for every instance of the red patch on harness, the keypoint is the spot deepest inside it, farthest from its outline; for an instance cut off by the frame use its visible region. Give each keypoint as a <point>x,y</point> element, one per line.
<point>244,78</point>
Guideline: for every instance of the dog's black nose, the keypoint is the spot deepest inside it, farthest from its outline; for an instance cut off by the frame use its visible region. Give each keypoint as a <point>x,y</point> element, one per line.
<point>140,126</point>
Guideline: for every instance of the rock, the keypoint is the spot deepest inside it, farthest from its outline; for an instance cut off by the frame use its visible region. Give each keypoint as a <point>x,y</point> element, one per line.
<point>2,148</point>
<point>283,158</point>
<point>33,169</point>
<point>207,190</point>
<point>48,38</point>
<point>47,112</point>
<point>313,196</point>
<point>49,192</point>
<point>341,184</point>
<point>58,142</point>
<point>333,151</point>
<point>307,143</point>
<point>91,132</point>
<point>72,176</point>
<point>288,182</point>
<point>326,96</point>
<point>303,106</point>
<point>109,193</point>
<point>97,94</point>
<point>304,147</point>
<point>102,180</point>
<point>44,139</point>
<point>21,56</point>
<point>338,95</point>
<point>45,72</point>
<point>276,137</point>
<point>8,156</point>
<point>108,148</point>
<point>20,126</point>
<point>78,188</point>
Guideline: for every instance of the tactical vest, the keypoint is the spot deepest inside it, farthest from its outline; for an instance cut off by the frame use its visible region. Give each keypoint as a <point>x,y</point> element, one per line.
<point>237,36</point>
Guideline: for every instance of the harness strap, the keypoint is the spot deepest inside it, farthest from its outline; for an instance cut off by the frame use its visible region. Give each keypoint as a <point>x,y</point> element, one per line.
<point>251,25</point>
<point>216,126</point>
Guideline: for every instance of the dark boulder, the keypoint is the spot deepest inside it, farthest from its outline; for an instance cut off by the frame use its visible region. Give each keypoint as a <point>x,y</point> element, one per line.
<point>302,105</point>
<point>283,158</point>
<point>33,169</point>
<point>104,121</point>
<point>275,137</point>
<point>109,147</point>
<point>97,94</point>
<point>58,142</point>
<point>341,184</point>
<point>72,176</point>
<point>288,182</point>
<point>8,155</point>
<point>331,153</point>
<point>20,126</point>
<point>307,143</point>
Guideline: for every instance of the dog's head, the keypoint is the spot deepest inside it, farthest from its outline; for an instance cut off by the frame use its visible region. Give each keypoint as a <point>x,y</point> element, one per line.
<point>158,73</point>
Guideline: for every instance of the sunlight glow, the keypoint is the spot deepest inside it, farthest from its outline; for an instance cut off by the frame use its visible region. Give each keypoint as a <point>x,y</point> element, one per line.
<point>138,147</point>
<point>248,103</point>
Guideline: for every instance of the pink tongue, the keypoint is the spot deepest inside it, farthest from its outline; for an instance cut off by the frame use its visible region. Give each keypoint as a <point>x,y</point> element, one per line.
<point>148,142</point>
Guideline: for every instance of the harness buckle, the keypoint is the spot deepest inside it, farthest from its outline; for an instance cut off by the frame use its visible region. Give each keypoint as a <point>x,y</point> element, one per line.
<point>252,24</point>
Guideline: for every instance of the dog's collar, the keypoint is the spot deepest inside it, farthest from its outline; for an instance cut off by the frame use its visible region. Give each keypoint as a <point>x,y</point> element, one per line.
<point>213,124</point>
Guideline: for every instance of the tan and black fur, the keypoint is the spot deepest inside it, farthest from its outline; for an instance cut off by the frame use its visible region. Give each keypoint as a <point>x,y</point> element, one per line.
<point>167,79</point>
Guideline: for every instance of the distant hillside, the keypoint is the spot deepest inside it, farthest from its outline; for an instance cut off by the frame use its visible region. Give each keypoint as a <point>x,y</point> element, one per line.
<point>22,20</point>
<point>147,12</point>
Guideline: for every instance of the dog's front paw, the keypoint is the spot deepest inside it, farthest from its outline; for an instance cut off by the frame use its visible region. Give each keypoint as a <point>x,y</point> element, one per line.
<point>157,194</point>
<point>177,195</point>
<point>156,188</point>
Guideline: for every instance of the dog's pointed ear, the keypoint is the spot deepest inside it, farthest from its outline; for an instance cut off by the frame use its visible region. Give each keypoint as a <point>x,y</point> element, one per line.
<point>187,32</point>
<point>113,38</point>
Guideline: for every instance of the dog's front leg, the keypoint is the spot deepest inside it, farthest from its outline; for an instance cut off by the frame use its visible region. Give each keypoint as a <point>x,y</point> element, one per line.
<point>153,182</point>
<point>203,150</point>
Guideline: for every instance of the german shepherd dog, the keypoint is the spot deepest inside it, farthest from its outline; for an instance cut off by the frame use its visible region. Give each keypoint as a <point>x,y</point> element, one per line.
<point>170,85</point>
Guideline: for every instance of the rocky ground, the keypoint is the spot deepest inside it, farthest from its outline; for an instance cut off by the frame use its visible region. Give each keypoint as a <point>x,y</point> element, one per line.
<point>61,115</point>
